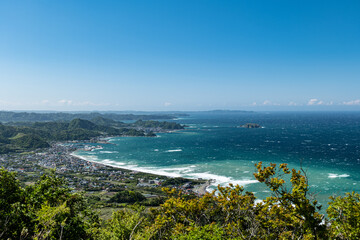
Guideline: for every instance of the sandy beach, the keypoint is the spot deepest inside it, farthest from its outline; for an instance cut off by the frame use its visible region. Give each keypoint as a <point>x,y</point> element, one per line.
<point>201,188</point>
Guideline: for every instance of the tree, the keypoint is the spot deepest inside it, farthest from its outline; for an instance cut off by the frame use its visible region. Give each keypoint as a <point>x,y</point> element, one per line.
<point>126,224</point>
<point>47,210</point>
<point>13,217</point>
<point>344,214</point>
<point>287,214</point>
<point>126,196</point>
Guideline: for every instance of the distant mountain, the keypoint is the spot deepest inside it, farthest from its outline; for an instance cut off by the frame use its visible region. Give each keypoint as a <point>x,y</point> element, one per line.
<point>228,111</point>
<point>81,123</point>
<point>6,116</point>
<point>108,122</point>
<point>21,136</point>
<point>37,135</point>
<point>103,121</point>
<point>30,141</point>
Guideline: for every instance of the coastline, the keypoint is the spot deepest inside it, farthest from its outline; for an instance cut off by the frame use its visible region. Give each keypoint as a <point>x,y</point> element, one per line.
<point>202,189</point>
<point>199,189</point>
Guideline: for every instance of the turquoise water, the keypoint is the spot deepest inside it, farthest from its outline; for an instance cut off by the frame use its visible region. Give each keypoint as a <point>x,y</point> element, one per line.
<point>326,145</point>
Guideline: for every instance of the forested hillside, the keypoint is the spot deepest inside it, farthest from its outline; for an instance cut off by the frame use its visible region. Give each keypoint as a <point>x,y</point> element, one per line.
<point>21,136</point>
<point>6,116</point>
<point>51,210</point>
<point>39,134</point>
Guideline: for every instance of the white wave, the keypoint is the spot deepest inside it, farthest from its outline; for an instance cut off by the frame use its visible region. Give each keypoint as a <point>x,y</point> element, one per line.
<point>186,171</point>
<point>209,189</point>
<point>109,152</point>
<point>156,150</point>
<point>133,167</point>
<point>179,169</point>
<point>206,175</point>
<point>155,171</point>
<point>174,150</point>
<point>244,182</point>
<point>108,161</point>
<point>78,156</point>
<point>86,158</point>
<point>222,180</point>
<point>120,163</point>
<point>334,175</point>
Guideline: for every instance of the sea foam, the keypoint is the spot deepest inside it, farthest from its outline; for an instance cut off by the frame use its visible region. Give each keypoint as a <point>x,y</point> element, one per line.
<point>334,175</point>
<point>109,152</point>
<point>174,150</point>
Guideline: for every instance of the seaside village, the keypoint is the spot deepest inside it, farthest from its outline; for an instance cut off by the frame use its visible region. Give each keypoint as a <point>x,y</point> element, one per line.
<point>84,175</point>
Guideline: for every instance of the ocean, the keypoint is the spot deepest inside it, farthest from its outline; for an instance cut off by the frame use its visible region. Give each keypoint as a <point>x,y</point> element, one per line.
<point>325,144</point>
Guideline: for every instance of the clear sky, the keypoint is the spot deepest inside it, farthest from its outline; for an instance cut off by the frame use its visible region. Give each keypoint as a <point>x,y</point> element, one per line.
<point>179,55</point>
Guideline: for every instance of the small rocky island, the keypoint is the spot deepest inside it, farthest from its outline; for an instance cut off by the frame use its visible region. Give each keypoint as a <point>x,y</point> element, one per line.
<point>250,125</point>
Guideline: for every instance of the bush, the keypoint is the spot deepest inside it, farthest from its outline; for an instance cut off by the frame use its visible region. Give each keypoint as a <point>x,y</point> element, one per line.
<point>126,196</point>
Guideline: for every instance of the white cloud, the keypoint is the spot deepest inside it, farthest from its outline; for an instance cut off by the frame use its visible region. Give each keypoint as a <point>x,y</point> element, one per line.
<point>65,102</point>
<point>166,104</point>
<point>267,102</point>
<point>292,104</point>
<point>313,101</point>
<point>270,103</point>
<point>353,102</point>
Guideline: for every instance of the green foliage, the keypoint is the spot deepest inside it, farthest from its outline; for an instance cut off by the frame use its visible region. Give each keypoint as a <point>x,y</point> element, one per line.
<point>232,210</point>
<point>126,196</point>
<point>6,116</point>
<point>174,181</point>
<point>23,136</point>
<point>206,232</point>
<point>46,210</point>
<point>153,202</point>
<point>126,224</point>
<point>78,123</point>
<point>50,210</point>
<point>157,124</point>
<point>108,122</point>
<point>289,212</point>
<point>344,215</point>
<point>12,213</point>
<point>30,141</point>
<point>37,135</point>
<point>130,132</point>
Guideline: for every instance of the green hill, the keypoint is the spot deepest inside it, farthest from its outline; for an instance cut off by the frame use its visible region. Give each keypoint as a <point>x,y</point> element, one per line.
<point>83,124</point>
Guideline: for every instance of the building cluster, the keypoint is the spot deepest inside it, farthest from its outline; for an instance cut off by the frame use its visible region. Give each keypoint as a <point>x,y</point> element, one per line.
<point>79,173</point>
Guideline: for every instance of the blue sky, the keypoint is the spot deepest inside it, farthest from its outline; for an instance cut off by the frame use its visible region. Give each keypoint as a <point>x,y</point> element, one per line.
<point>179,55</point>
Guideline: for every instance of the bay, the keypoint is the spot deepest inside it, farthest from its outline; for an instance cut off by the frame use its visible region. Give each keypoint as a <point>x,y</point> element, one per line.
<point>326,145</point>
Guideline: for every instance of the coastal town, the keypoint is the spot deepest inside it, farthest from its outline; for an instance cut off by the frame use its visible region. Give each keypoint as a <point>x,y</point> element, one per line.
<point>91,177</point>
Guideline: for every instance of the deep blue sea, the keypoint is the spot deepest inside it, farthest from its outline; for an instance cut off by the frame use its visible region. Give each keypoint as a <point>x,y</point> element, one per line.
<point>325,144</point>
